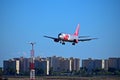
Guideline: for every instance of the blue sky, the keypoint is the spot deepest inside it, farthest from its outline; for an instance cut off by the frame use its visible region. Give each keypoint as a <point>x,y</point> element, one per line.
<point>22,21</point>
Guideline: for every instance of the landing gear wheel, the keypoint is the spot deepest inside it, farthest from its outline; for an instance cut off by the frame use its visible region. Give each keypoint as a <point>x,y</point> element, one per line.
<point>63,43</point>
<point>73,43</point>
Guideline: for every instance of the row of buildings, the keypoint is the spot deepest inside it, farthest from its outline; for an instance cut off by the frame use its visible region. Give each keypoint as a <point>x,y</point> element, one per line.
<point>57,64</point>
<point>106,64</point>
<point>42,65</point>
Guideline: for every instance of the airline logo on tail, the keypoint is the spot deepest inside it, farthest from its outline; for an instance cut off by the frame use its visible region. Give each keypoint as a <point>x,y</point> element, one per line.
<point>64,37</point>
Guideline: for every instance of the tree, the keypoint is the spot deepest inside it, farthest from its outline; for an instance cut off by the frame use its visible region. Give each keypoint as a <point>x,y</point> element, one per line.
<point>111,69</point>
<point>51,71</point>
<point>40,71</point>
<point>10,71</point>
<point>83,71</point>
<point>1,71</point>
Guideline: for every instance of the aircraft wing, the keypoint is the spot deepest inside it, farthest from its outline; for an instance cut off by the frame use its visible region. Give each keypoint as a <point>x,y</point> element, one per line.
<point>83,36</point>
<point>86,39</point>
<point>50,37</point>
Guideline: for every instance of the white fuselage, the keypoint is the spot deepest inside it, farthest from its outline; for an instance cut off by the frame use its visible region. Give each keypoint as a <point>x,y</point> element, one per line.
<point>67,37</point>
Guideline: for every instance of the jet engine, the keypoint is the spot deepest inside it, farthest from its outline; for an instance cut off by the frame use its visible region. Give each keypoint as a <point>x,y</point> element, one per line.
<point>56,40</point>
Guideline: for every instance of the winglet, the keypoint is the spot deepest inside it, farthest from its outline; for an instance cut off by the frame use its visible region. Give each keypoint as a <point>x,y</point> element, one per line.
<point>77,30</point>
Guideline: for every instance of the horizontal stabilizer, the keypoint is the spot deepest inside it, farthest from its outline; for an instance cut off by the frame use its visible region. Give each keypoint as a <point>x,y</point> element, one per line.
<point>83,36</point>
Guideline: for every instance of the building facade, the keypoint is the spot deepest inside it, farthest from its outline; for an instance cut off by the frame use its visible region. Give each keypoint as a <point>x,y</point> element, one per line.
<point>42,67</point>
<point>59,64</point>
<point>21,66</point>
<point>114,63</point>
<point>92,64</point>
<point>24,65</point>
<point>75,64</point>
<point>11,67</point>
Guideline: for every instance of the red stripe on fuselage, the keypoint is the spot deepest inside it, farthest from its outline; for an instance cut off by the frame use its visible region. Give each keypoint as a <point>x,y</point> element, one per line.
<point>66,37</point>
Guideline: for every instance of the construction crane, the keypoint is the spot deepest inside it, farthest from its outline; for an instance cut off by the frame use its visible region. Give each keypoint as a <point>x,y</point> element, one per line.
<point>32,65</point>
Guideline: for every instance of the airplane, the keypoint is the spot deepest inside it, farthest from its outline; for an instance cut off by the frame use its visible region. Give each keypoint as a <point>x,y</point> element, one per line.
<point>74,38</point>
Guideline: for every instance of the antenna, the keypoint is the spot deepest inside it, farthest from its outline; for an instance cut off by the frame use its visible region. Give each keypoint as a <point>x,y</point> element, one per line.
<point>32,66</point>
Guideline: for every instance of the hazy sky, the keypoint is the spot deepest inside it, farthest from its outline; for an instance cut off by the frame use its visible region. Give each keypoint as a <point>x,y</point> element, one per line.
<point>22,21</point>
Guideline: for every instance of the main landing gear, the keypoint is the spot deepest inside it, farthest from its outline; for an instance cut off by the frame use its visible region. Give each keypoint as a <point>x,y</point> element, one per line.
<point>73,43</point>
<point>62,42</point>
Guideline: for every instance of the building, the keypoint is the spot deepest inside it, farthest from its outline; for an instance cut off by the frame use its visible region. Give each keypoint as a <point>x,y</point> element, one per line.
<point>55,63</point>
<point>59,64</point>
<point>118,63</point>
<point>88,64</point>
<point>11,67</point>
<point>75,64</point>
<point>106,64</point>
<point>45,66</point>
<point>98,64</point>
<point>92,64</point>
<point>65,65</point>
<point>42,67</point>
<point>24,66</point>
<point>114,63</point>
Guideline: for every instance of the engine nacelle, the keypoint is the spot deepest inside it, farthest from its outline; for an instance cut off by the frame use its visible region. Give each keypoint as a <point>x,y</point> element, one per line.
<point>76,41</point>
<point>56,40</point>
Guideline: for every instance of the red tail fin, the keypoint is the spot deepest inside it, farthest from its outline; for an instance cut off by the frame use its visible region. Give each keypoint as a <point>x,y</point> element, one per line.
<point>77,30</point>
